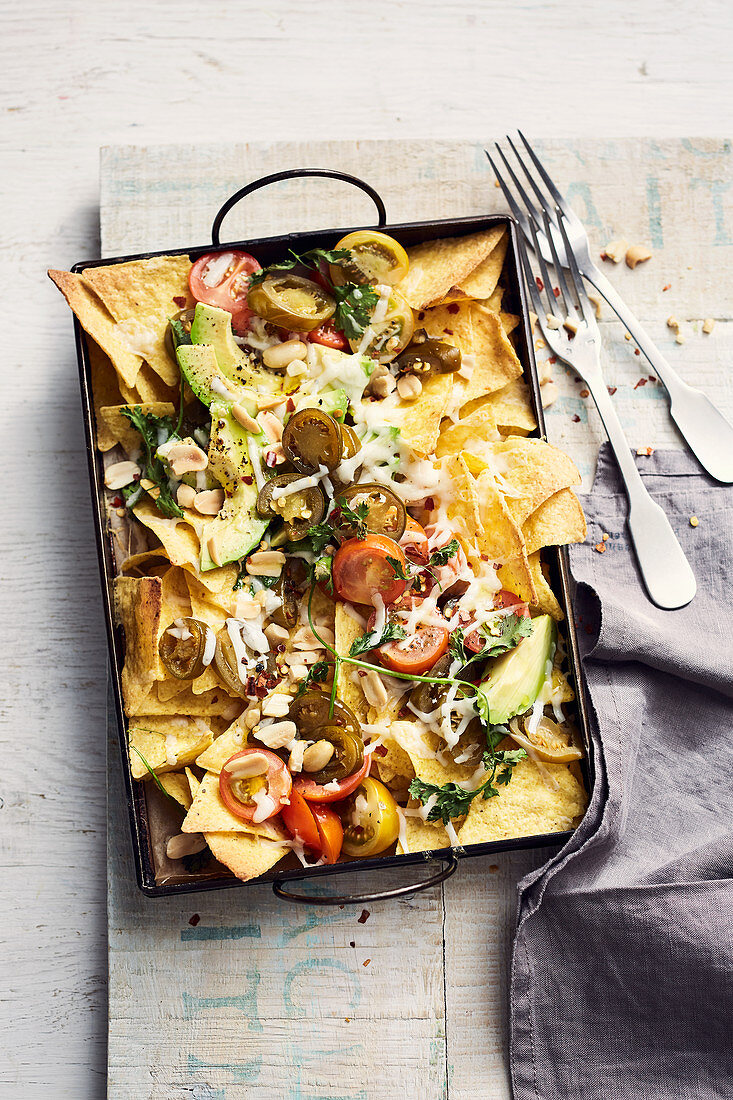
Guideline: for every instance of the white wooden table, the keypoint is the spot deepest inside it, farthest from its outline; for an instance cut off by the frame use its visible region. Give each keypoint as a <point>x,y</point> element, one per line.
<point>80,75</point>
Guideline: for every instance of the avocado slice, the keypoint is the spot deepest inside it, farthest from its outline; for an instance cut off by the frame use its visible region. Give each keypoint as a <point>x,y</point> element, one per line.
<point>237,528</point>
<point>515,679</point>
<point>334,402</point>
<point>213,327</point>
<point>200,367</point>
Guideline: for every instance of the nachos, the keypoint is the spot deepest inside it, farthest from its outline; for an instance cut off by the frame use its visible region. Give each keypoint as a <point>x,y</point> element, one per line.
<point>329,516</point>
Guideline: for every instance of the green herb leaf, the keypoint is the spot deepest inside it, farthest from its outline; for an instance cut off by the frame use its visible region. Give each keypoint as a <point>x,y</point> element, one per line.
<point>353,517</point>
<point>155,779</point>
<point>354,308</point>
<point>393,631</point>
<point>149,428</point>
<point>444,555</point>
<point>317,674</point>
<point>180,336</point>
<point>398,568</point>
<point>319,537</point>
<point>313,258</point>
<point>322,571</point>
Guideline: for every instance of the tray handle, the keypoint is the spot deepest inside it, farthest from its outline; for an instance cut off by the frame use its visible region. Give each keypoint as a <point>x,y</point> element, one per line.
<point>379,895</point>
<point>294,173</point>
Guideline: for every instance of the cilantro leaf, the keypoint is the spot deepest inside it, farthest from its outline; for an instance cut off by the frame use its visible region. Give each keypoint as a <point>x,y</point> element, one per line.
<point>456,648</point>
<point>322,572</point>
<point>150,428</point>
<point>512,629</point>
<point>355,518</point>
<point>181,336</point>
<point>354,308</point>
<point>392,632</point>
<point>243,578</point>
<point>444,555</point>
<point>317,674</point>
<point>398,567</point>
<point>312,258</point>
<point>319,536</point>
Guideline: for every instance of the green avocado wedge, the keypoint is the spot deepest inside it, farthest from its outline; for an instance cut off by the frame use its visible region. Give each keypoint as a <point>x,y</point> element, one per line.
<point>515,679</point>
<point>237,529</point>
<point>200,368</point>
<point>213,327</point>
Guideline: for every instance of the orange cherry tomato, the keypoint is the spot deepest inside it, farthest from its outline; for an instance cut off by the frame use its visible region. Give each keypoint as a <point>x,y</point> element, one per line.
<point>414,542</point>
<point>361,569</point>
<point>218,283</point>
<point>237,793</point>
<point>299,821</point>
<point>328,335</point>
<point>424,648</point>
<point>333,792</point>
<point>330,832</point>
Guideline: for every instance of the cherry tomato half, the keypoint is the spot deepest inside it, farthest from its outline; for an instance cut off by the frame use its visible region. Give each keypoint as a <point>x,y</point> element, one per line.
<point>332,792</point>
<point>420,654</point>
<point>328,335</point>
<point>318,828</point>
<point>222,279</point>
<point>237,791</point>
<point>414,542</point>
<point>330,832</point>
<point>503,599</point>
<point>361,569</point>
<point>371,820</point>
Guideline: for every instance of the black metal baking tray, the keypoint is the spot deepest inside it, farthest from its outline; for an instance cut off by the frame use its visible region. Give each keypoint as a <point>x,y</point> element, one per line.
<point>141,796</point>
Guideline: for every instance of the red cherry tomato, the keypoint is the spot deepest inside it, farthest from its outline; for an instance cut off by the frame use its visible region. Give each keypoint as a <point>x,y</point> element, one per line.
<point>225,287</point>
<point>315,792</point>
<point>425,648</point>
<point>328,335</point>
<point>330,832</point>
<point>361,569</point>
<point>503,599</point>
<point>235,794</point>
<point>415,542</point>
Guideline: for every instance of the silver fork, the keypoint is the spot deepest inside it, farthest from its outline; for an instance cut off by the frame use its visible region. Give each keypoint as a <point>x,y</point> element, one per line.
<point>575,338</point>
<point>707,432</point>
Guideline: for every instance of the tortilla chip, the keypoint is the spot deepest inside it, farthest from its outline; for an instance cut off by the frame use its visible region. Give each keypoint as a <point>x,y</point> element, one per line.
<point>478,334</point>
<point>246,856</point>
<point>436,266</point>
<point>346,631</point>
<point>211,608</point>
<point>481,283</point>
<point>463,506</point>
<point>176,785</point>
<point>160,739</point>
<point>208,813</point>
<point>169,688</point>
<point>211,703</point>
<point>515,575</point>
<point>423,836</point>
<point>120,429</point>
<point>470,433</point>
<point>511,408</point>
<point>545,600</point>
<point>419,421</point>
<point>558,521</point>
<point>407,734</point>
<point>499,537</point>
<point>526,806</point>
<point>149,563</point>
<point>139,602</point>
<point>234,739</point>
<point>193,782</point>
<point>391,760</point>
<point>534,470</point>
<point>509,322</point>
<point>142,296</point>
<point>96,320</point>
<point>105,391</point>
<point>179,537</point>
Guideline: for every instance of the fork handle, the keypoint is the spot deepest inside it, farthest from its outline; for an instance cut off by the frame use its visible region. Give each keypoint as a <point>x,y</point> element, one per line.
<point>665,570</point>
<point>707,432</point>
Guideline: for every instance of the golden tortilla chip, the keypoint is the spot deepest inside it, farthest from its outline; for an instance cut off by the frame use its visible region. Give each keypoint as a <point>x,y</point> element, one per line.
<point>142,296</point>
<point>105,391</point>
<point>193,782</point>
<point>463,506</point>
<point>499,537</point>
<point>176,785</point>
<point>179,537</point>
<point>471,433</point>
<point>478,334</point>
<point>509,322</point>
<point>121,430</point>
<point>391,760</point>
<point>167,743</point>
<point>149,563</point>
<point>96,320</point>
<point>233,740</point>
<point>169,688</point>
<point>558,521</point>
<point>211,703</point>
<point>139,602</point>
<point>423,836</point>
<point>511,408</point>
<point>419,421</point>
<point>436,266</point>
<point>533,470</point>
<point>149,388</point>
<point>208,813</point>
<point>527,806</point>
<point>348,689</point>
<point>481,283</point>
<point>246,856</point>
<point>516,576</point>
<point>545,600</point>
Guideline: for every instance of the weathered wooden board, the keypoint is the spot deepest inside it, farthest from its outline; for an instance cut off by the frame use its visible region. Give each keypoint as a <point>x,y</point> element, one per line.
<point>261,999</point>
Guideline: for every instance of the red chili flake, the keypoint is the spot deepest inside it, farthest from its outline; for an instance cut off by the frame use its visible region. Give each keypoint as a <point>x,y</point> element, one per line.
<point>576,418</point>
<point>585,393</point>
<point>493,868</point>
<point>290,405</point>
<point>556,291</point>
<point>600,547</point>
<point>360,672</point>
<point>552,360</point>
<point>247,479</point>
<point>381,750</point>
<point>366,962</point>
<point>667,287</point>
<point>636,351</point>
<point>421,315</point>
<point>540,284</point>
<point>651,378</point>
<point>365,914</point>
<point>641,382</point>
<point>117,502</point>
<point>646,452</point>
<point>194,919</point>
<point>180,301</point>
<point>612,389</point>
<point>429,503</point>
<point>448,331</point>
<point>578,379</point>
<point>588,628</point>
<point>604,255</point>
<point>453,307</point>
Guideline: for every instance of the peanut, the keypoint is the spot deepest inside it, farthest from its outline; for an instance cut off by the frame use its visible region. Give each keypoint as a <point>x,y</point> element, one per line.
<point>280,356</point>
<point>317,756</point>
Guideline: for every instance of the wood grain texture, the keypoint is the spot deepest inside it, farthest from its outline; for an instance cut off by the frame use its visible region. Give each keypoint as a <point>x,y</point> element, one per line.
<point>81,75</point>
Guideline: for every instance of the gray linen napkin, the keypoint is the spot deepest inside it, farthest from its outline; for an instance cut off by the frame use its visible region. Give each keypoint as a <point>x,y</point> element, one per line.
<point>622,975</point>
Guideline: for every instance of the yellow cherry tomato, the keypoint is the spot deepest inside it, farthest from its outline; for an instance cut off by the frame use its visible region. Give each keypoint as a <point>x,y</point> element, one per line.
<point>371,820</point>
<point>375,258</point>
<point>391,333</point>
